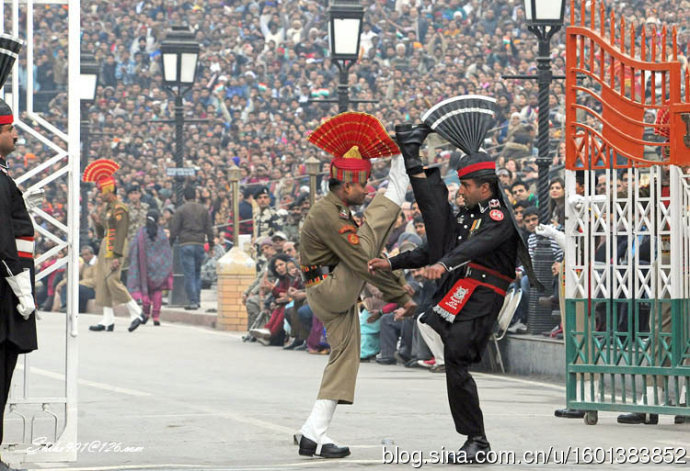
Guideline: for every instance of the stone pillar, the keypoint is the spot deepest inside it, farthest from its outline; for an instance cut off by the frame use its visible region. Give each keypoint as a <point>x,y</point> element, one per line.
<point>236,271</point>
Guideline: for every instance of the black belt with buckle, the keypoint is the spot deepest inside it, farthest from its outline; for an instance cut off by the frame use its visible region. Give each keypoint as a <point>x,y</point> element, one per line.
<point>488,276</point>
<point>314,274</point>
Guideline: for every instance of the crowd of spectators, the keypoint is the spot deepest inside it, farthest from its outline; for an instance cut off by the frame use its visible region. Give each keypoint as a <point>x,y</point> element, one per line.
<point>262,65</point>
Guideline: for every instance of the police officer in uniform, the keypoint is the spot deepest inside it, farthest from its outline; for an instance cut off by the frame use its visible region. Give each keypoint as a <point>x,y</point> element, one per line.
<point>17,307</point>
<point>473,256</point>
<point>267,221</point>
<point>110,291</point>
<point>333,253</point>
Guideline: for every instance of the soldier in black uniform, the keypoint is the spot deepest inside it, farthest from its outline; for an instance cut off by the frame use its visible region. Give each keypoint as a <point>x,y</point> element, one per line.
<point>17,308</point>
<point>473,256</point>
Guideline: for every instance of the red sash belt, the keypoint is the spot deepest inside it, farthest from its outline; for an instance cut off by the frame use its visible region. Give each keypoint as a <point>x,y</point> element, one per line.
<point>453,302</point>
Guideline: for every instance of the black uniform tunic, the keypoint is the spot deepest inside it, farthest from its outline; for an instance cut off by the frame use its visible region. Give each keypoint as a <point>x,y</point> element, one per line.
<point>13,328</point>
<point>484,235</point>
<point>17,335</point>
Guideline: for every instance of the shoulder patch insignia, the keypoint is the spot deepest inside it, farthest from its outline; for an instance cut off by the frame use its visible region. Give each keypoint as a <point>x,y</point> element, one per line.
<point>496,215</point>
<point>344,213</point>
<point>494,203</point>
<point>347,228</point>
<point>353,239</point>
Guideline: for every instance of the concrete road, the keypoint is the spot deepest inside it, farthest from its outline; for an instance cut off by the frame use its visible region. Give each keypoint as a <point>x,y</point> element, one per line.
<point>190,398</point>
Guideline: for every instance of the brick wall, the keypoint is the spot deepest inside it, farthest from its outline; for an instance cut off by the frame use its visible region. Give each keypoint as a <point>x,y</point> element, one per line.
<point>236,271</point>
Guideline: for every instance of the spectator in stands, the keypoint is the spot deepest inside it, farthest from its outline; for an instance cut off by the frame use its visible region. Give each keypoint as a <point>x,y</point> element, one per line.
<point>191,223</point>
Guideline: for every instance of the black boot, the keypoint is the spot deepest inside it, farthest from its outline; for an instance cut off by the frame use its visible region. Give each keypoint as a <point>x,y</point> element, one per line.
<point>638,418</point>
<point>410,139</point>
<point>101,328</point>
<point>569,413</point>
<point>474,449</point>
<point>308,447</point>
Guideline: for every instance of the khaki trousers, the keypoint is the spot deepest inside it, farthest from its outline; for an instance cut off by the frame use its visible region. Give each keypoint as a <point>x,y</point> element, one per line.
<point>334,301</point>
<point>110,291</point>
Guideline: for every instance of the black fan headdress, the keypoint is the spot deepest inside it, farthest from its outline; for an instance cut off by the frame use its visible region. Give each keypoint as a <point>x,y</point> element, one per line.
<point>462,120</point>
<point>9,51</point>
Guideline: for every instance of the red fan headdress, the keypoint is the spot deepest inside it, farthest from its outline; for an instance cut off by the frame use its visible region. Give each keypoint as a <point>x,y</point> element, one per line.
<point>101,172</point>
<point>353,138</point>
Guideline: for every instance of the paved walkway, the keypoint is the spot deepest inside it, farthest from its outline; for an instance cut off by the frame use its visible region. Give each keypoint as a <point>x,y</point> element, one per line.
<point>192,398</point>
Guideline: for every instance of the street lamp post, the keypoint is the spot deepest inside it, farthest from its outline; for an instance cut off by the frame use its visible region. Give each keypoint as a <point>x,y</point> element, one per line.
<point>544,19</point>
<point>88,82</point>
<point>344,30</point>
<point>234,175</point>
<point>179,56</point>
<point>313,166</point>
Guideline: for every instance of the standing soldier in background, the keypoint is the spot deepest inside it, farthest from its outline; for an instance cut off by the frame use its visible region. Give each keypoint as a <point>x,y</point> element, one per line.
<point>267,220</point>
<point>333,254</point>
<point>137,219</point>
<point>17,307</point>
<point>110,291</point>
<point>137,211</point>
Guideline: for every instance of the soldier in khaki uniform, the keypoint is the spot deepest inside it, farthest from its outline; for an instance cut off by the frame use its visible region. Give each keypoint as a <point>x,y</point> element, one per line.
<point>334,253</point>
<point>112,228</point>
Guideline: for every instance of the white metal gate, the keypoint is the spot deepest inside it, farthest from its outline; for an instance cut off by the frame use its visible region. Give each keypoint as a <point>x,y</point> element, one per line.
<point>32,414</point>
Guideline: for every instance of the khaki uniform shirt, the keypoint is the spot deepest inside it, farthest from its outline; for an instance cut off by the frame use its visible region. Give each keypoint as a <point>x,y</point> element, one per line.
<point>115,229</point>
<point>329,236</point>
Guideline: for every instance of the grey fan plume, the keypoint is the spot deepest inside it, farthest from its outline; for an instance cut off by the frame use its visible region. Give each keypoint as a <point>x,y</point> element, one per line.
<point>462,120</point>
<point>9,51</point>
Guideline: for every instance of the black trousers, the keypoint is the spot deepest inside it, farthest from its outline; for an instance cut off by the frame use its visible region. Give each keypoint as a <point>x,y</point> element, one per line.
<point>8,361</point>
<point>463,343</point>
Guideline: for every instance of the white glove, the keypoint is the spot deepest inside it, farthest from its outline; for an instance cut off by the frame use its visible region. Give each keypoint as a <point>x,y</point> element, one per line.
<point>398,181</point>
<point>552,233</point>
<point>576,201</point>
<point>21,286</point>
<point>34,198</point>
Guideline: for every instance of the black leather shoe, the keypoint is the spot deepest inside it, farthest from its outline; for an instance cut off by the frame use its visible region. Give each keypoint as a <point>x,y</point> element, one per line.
<point>308,447</point>
<point>386,361</point>
<point>638,418</point>
<point>144,319</point>
<point>410,139</point>
<point>156,323</point>
<point>474,450</point>
<point>136,323</point>
<point>569,413</point>
<point>101,328</point>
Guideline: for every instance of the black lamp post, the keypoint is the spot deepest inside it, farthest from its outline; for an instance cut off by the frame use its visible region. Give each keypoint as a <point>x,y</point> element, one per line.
<point>88,82</point>
<point>544,19</point>
<point>344,29</point>
<point>179,56</point>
